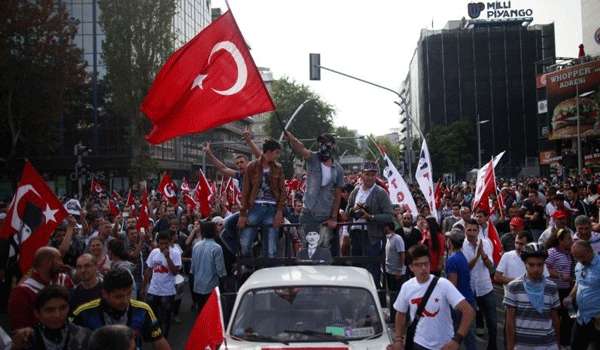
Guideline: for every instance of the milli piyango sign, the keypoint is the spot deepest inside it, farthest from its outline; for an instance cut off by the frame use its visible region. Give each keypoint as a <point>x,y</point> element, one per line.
<point>497,10</point>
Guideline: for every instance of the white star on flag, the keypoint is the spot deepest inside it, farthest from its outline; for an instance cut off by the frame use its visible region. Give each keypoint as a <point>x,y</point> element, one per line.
<point>49,214</point>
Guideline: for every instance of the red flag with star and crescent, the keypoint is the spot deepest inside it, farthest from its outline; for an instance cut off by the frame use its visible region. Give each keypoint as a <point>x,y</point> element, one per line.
<point>32,216</point>
<point>167,188</point>
<point>210,81</point>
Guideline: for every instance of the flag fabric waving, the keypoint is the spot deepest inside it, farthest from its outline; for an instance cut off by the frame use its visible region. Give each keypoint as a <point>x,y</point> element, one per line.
<point>207,332</point>
<point>130,202</point>
<point>167,188</point>
<point>33,215</point>
<point>494,237</point>
<point>424,178</point>
<point>398,189</point>
<point>96,187</point>
<point>143,219</point>
<point>202,194</point>
<point>185,186</point>
<point>485,183</point>
<point>210,81</point>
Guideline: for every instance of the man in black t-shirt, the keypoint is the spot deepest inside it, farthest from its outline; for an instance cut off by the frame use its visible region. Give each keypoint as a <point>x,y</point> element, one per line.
<point>534,214</point>
<point>90,285</point>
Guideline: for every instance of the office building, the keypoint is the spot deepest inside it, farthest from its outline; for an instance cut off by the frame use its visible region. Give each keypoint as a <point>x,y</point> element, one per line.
<point>482,69</point>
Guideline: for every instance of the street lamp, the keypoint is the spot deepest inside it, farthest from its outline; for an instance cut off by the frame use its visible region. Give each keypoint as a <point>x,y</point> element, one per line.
<point>479,124</point>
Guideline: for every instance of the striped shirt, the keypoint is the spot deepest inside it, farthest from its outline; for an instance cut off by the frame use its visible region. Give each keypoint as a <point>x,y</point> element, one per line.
<point>533,330</point>
<point>562,262</point>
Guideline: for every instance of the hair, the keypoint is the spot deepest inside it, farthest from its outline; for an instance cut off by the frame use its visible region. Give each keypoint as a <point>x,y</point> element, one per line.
<point>270,145</point>
<point>87,255</point>
<point>117,279</point>
<point>114,337</point>
<point>117,248</point>
<point>390,225</point>
<point>583,244</point>
<point>95,239</point>
<point>165,234</point>
<point>42,255</point>
<point>471,222</point>
<point>582,220</point>
<point>524,234</point>
<point>49,293</point>
<point>483,211</point>
<point>434,232</point>
<point>208,229</point>
<point>455,204</point>
<point>240,155</point>
<point>417,251</point>
<point>455,240</point>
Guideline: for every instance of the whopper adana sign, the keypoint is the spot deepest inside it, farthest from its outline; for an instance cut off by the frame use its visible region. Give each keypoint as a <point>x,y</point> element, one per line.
<point>562,86</point>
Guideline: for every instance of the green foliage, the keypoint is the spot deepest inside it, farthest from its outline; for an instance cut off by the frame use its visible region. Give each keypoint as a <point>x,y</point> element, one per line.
<point>139,39</point>
<point>349,146</point>
<point>40,69</point>
<point>315,118</point>
<point>451,147</point>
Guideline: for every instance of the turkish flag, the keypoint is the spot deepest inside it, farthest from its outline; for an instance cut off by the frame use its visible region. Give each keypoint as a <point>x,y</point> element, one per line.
<point>207,332</point>
<point>167,188</point>
<point>143,219</point>
<point>202,193</point>
<point>210,81</point>
<point>113,210</point>
<point>484,188</point>
<point>185,185</point>
<point>96,187</point>
<point>32,216</point>
<point>130,199</point>
<point>189,201</point>
<point>496,243</point>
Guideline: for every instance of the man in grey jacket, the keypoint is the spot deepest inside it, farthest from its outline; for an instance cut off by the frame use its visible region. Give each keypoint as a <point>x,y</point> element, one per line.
<point>324,182</point>
<point>369,206</point>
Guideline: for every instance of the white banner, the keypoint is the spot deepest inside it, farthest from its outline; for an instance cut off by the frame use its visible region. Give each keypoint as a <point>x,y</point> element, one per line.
<point>399,192</point>
<point>424,178</point>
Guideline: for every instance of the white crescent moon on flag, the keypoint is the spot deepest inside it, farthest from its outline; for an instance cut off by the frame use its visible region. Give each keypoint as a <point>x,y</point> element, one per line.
<point>242,70</point>
<point>15,220</point>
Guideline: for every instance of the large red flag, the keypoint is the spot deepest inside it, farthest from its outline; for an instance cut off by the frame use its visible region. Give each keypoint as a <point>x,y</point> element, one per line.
<point>210,81</point>
<point>496,243</point>
<point>485,188</point>
<point>95,187</point>
<point>143,219</point>
<point>32,216</point>
<point>202,193</point>
<point>130,199</point>
<point>207,332</point>
<point>167,188</point>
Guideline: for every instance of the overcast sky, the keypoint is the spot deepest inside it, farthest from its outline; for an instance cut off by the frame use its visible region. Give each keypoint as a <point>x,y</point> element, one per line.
<point>372,39</point>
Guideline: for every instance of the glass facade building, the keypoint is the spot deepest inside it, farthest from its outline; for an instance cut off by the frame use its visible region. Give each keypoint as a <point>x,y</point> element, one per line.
<point>484,68</point>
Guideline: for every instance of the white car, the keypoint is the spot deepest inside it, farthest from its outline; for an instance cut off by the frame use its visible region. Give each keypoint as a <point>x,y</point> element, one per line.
<point>307,307</point>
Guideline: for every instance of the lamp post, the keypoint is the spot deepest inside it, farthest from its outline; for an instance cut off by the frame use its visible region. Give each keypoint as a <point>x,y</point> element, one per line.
<point>479,124</point>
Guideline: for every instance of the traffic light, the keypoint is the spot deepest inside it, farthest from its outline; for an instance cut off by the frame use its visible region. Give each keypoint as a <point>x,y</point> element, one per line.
<point>315,66</point>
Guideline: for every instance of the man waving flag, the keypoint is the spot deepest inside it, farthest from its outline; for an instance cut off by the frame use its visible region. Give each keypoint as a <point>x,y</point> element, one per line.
<point>210,81</point>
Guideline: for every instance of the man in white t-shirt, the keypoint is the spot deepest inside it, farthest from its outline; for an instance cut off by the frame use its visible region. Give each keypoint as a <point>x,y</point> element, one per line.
<point>511,265</point>
<point>164,263</point>
<point>435,328</point>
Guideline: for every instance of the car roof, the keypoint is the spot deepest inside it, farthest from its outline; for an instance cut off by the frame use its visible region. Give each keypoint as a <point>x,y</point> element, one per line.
<point>307,275</point>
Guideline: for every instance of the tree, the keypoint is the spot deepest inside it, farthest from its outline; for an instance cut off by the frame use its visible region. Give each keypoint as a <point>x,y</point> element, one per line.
<point>451,147</point>
<point>41,69</point>
<point>315,118</point>
<point>348,146</point>
<point>139,39</point>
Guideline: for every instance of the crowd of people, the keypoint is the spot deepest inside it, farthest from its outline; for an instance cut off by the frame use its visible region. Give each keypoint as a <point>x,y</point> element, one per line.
<point>104,279</point>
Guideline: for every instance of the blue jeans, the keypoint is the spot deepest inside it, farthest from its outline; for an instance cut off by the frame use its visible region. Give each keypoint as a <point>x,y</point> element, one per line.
<point>469,341</point>
<point>260,215</point>
<point>487,304</point>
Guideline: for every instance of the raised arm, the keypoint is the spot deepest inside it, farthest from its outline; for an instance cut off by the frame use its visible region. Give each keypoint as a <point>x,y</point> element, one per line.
<point>297,146</point>
<point>222,168</point>
<point>247,136</point>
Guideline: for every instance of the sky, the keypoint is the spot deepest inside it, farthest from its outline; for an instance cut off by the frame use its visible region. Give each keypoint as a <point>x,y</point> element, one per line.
<point>374,40</point>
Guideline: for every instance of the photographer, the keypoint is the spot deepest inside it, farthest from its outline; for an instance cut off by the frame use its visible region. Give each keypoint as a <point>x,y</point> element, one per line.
<point>370,205</point>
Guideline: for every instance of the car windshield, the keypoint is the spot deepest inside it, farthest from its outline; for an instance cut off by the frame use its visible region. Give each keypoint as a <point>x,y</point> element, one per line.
<point>307,314</point>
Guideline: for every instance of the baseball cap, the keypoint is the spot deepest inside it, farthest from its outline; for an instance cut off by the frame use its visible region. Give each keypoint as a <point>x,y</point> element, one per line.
<point>559,214</point>
<point>370,166</point>
<point>517,222</point>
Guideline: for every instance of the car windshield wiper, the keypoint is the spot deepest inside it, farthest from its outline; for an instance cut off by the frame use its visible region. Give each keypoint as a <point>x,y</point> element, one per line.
<point>321,335</point>
<point>258,337</point>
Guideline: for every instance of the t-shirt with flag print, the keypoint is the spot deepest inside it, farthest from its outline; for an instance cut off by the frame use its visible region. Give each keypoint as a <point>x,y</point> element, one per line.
<point>163,281</point>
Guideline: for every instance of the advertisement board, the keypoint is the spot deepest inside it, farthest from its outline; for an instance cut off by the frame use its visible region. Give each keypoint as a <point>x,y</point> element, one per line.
<point>561,88</point>
<point>549,157</point>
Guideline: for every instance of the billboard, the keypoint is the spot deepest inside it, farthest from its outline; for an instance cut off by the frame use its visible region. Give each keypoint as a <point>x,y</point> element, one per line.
<point>561,88</point>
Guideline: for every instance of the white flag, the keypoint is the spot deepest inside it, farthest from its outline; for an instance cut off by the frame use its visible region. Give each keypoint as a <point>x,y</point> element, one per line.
<point>479,184</point>
<point>399,192</point>
<point>424,178</point>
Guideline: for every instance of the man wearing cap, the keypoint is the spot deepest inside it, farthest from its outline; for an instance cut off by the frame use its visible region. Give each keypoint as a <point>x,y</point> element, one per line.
<point>560,218</point>
<point>516,224</point>
<point>324,183</point>
<point>370,206</point>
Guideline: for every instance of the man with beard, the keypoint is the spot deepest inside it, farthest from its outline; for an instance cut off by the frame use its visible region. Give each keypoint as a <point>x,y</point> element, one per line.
<point>410,234</point>
<point>324,183</point>
<point>47,264</point>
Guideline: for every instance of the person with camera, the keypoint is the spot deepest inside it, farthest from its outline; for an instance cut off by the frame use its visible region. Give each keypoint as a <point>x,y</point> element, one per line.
<point>324,183</point>
<point>369,206</point>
